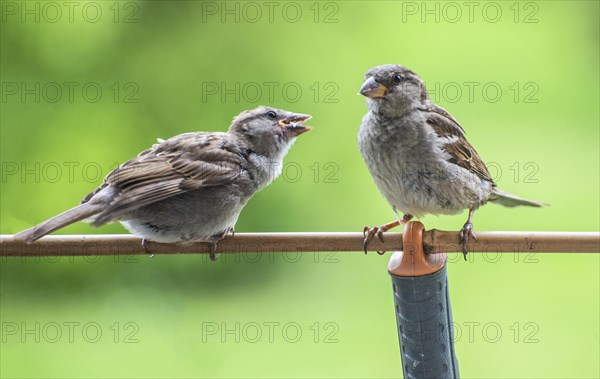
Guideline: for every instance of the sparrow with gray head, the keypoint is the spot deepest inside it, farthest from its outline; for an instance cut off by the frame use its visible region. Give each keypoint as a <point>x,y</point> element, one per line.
<point>191,187</point>
<point>418,155</point>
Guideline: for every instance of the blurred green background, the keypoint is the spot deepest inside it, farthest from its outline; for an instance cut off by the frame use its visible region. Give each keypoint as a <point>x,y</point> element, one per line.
<point>533,115</point>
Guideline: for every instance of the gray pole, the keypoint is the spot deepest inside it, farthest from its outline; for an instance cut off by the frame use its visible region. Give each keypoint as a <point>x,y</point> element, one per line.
<point>422,307</point>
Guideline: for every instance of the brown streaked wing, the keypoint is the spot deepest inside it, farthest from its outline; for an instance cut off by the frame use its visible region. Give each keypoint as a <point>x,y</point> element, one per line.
<point>117,172</point>
<point>178,165</point>
<point>460,150</point>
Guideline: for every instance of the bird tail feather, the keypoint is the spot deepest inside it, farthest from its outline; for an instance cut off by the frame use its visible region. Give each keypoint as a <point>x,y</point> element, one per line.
<point>509,200</point>
<point>68,217</point>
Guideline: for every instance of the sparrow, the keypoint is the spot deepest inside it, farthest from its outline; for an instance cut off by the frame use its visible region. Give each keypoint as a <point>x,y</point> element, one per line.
<point>419,156</point>
<point>191,187</point>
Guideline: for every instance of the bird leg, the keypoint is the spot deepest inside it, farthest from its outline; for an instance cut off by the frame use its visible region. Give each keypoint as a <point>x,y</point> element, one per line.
<point>145,246</point>
<point>216,238</point>
<point>466,232</point>
<point>211,252</point>
<point>378,231</point>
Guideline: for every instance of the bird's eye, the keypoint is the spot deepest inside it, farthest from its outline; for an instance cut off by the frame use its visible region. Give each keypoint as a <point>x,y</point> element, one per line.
<point>397,78</point>
<point>272,115</point>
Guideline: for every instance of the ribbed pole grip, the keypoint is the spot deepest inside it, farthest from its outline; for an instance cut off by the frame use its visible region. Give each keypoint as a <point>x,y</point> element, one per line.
<point>424,320</point>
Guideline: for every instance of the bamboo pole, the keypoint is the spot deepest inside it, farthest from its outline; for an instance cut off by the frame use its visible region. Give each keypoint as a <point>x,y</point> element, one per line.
<point>435,241</point>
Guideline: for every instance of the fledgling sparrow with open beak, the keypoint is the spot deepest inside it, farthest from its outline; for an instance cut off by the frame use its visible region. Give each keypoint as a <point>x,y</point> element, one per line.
<point>191,187</point>
<point>418,155</point>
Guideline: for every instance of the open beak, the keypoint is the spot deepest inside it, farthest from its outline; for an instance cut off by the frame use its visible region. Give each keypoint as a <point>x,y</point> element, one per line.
<point>294,124</point>
<point>372,89</point>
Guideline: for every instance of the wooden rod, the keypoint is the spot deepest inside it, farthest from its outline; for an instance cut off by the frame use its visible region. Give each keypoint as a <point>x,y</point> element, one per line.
<point>435,241</point>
